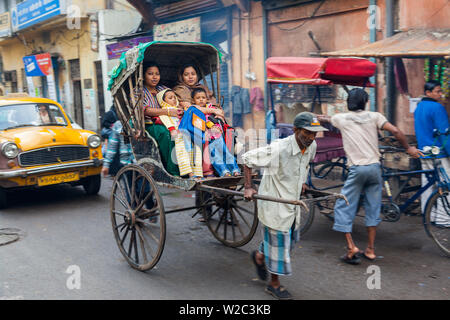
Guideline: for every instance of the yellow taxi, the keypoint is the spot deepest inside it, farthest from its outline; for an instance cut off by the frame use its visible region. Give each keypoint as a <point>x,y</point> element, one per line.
<point>39,146</point>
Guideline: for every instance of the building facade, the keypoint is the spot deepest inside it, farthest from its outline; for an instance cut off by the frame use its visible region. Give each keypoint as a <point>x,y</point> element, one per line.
<point>260,29</point>
<point>52,49</point>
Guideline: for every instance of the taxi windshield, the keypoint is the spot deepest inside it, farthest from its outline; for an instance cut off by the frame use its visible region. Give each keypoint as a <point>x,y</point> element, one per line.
<point>30,115</point>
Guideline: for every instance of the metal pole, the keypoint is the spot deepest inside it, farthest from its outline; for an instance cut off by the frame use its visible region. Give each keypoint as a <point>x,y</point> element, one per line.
<point>390,77</point>
<point>266,87</point>
<point>373,38</point>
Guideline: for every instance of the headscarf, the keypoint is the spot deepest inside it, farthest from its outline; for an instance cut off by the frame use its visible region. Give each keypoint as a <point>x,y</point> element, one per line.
<point>183,90</point>
<point>162,103</point>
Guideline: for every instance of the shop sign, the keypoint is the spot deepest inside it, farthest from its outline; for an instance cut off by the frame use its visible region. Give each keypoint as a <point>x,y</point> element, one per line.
<point>94,33</point>
<point>40,65</point>
<point>5,25</point>
<point>31,12</point>
<point>184,30</point>
<point>115,50</point>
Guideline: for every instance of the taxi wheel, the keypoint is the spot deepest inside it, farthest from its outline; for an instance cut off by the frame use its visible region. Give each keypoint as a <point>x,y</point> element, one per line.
<point>92,184</point>
<point>3,199</point>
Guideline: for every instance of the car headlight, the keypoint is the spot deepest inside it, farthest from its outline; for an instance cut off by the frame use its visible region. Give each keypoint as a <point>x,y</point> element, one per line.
<point>10,150</point>
<point>94,141</point>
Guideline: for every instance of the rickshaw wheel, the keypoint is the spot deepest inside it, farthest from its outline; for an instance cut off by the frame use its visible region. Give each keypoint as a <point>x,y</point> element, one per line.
<point>307,217</point>
<point>138,218</point>
<point>232,220</point>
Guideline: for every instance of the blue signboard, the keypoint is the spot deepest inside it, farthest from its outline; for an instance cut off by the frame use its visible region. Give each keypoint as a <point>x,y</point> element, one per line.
<point>30,12</point>
<point>38,65</point>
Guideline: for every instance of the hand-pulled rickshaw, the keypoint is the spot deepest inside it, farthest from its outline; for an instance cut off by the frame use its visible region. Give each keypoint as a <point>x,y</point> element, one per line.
<point>307,80</point>
<point>401,175</point>
<point>135,199</point>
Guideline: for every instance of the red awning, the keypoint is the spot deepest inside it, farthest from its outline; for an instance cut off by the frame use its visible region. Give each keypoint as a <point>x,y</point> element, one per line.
<point>320,71</point>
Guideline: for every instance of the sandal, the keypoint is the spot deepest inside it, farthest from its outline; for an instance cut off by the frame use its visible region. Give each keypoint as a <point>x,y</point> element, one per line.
<point>354,260</point>
<point>279,293</point>
<point>260,268</point>
<point>363,254</point>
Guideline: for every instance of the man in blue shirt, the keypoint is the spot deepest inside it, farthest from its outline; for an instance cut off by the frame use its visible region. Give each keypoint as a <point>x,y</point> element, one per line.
<point>430,115</point>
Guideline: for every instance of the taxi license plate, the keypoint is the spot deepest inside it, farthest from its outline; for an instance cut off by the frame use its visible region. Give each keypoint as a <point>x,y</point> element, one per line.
<point>58,178</point>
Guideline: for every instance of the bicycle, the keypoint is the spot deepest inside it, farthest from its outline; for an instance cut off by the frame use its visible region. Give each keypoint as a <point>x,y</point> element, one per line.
<point>437,205</point>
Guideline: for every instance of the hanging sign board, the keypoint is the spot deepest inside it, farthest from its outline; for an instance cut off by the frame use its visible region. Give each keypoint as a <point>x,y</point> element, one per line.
<point>40,65</point>
<point>184,30</point>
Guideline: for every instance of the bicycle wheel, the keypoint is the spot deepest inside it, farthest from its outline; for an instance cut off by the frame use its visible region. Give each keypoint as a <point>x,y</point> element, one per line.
<point>437,220</point>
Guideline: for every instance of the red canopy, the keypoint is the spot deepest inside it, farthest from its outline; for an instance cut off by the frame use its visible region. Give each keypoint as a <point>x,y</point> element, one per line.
<point>320,71</point>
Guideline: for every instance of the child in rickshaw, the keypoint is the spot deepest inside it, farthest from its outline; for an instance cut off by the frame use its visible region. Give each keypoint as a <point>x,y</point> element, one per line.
<point>221,158</point>
<point>189,163</point>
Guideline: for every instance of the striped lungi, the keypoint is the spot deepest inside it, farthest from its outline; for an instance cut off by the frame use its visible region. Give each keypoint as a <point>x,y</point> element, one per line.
<point>276,247</point>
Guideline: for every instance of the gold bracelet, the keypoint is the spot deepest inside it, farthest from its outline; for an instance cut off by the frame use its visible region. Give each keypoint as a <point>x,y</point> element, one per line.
<point>168,114</point>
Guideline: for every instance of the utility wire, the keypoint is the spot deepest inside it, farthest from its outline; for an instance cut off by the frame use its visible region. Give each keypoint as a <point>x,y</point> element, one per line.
<point>304,22</point>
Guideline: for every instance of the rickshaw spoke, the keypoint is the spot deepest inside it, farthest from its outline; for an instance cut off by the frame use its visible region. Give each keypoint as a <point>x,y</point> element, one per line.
<point>232,225</point>
<point>139,207</point>
<point>136,253</point>
<point>243,218</point>
<point>243,209</point>
<point>127,206</point>
<point>220,220</point>
<point>143,243</point>
<point>136,196</point>
<point>124,237</point>
<point>225,225</point>
<point>120,225</point>
<point>237,223</point>
<point>215,211</point>
<point>119,213</point>
<point>146,212</point>
<point>130,245</point>
<point>148,231</point>
<point>141,193</point>
<point>125,225</point>
<point>129,192</point>
<point>133,188</point>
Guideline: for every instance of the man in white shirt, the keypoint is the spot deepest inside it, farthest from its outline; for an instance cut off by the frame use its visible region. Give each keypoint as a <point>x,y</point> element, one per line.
<point>285,162</point>
<point>359,130</point>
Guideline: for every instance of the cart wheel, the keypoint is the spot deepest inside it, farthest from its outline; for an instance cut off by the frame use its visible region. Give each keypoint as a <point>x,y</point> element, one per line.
<point>231,219</point>
<point>137,216</point>
<point>307,218</point>
<point>437,220</point>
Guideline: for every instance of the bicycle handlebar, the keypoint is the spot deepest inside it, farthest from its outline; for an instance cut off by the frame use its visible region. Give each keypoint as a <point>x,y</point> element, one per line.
<point>391,149</point>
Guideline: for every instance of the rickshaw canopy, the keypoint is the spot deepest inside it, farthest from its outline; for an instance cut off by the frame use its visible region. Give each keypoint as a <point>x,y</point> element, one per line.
<point>169,55</point>
<point>320,71</point>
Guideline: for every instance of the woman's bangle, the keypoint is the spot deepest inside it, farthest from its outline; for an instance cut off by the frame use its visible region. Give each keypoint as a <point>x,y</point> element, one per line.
<point>168,113</point>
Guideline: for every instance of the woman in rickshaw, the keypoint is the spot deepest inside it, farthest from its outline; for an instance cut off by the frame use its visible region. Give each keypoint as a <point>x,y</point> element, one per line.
<point>188,81</point>
<point>152,111</point>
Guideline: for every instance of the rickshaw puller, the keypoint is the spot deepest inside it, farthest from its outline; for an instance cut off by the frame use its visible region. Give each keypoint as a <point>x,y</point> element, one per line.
<point>286,162</point>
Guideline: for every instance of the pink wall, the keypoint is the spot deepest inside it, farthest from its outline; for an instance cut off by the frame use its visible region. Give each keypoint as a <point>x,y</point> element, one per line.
<point>424,13</point>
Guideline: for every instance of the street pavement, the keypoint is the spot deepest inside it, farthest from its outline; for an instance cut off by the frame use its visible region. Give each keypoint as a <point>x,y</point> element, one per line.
<point>66,233</point>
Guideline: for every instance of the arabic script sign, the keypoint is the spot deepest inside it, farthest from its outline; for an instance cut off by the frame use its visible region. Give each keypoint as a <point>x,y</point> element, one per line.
<point>184,30</point>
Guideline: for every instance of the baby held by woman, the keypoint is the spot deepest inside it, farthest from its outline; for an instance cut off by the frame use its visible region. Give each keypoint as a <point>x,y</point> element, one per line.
<point>188,154</point>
